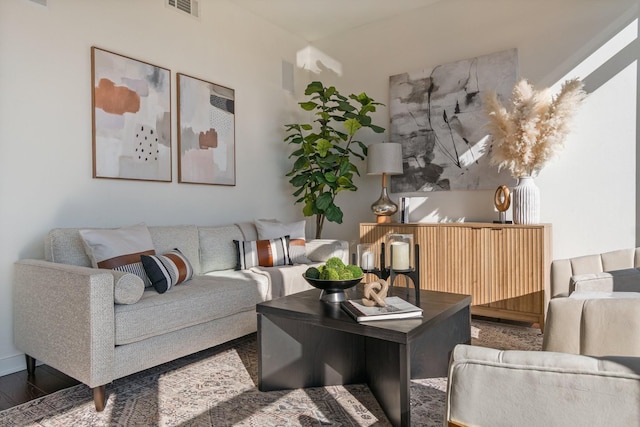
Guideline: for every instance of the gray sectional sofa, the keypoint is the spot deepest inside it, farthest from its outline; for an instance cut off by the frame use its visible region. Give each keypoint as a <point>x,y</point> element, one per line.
<point>66,313</point>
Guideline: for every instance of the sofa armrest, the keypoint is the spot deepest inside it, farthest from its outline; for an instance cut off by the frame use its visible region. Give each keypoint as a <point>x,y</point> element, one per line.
<point>64,317</point>
<point>320,250</point>
<point>488,387</point>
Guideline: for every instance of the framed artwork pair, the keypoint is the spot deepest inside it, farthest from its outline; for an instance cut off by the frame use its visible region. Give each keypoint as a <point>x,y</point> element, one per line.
<point>131,123</point>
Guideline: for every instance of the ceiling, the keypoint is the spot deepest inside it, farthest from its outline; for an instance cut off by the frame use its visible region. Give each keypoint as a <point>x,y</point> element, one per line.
<point>316,19</point>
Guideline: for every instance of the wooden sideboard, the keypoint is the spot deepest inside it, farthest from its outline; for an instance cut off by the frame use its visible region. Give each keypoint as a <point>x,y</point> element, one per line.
<point>504,267</point>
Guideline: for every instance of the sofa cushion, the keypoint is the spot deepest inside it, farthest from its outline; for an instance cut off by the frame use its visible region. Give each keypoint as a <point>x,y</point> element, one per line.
<point>119,248</point>
<point>203,299</point>
<point>272,229</point>
<point>217,250</point>
<point>183,237</point>
<point>167,270</point>
<point>264,253</point>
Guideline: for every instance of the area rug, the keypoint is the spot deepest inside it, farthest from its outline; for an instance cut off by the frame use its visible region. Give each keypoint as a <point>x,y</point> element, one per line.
<point>218,387</point>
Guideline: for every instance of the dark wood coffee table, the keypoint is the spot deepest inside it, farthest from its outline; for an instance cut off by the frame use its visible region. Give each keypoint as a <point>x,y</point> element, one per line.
<point>305,342</point>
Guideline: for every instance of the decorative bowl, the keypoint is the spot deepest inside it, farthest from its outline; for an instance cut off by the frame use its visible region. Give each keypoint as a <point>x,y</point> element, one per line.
<point>332,290</point>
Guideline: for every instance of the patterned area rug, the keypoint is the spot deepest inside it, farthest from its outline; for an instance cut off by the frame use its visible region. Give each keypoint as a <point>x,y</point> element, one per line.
<point>218,387</point>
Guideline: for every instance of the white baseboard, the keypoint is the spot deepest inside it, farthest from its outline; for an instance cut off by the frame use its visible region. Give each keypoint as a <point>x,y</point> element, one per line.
<point>12,364</point>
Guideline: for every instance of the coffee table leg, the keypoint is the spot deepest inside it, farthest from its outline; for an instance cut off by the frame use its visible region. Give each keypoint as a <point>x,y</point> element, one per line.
<point>294,354</point>
<point>388,372</point>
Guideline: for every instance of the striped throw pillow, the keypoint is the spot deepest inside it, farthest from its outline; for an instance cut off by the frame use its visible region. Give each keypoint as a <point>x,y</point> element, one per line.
<point>167,270</point>
<point>263,253</point>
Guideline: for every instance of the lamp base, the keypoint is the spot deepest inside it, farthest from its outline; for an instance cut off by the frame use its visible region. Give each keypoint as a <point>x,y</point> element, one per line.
<point>383,219</point>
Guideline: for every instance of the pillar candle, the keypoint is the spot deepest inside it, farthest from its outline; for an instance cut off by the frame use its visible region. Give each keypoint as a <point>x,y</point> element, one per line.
<point>366,263</point>
<point>400,255</point>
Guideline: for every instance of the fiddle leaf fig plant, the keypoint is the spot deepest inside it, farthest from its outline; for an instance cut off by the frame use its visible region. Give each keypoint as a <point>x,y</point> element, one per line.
<point>323,166</point>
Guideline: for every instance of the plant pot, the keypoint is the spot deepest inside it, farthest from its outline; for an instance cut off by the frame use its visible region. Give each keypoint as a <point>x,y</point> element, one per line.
<point>526,201</point>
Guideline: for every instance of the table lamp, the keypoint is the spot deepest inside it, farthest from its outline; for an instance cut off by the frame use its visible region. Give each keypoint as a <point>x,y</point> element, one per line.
<point>384,159</point>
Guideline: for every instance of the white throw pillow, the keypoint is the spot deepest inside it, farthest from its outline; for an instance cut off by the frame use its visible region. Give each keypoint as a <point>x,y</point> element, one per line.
<point>273,229</point>
<point>119,248</point>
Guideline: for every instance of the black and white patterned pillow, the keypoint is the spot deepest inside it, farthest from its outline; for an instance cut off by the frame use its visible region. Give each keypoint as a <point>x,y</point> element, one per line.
<point>167,270</point>
<point>263,253</point>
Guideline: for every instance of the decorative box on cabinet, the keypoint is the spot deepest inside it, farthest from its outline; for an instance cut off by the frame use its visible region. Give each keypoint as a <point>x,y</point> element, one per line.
<point>504,267</point>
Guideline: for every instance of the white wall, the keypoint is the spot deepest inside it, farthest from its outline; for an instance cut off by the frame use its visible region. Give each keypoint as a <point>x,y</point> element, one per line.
<point>45,122</point>
<point>589,192</point>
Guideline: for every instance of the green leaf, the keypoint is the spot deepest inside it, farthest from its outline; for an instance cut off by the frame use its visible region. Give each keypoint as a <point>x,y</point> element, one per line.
<point>330,91</point>
<point>306,127</point>
<point>323,146</point>
<point>299,180</point>
<point>330,177</point>
<point>314,87</point>
<point>376,129</point>
<point>352,126</point>
<point>334,214</point>
<point>308,208</point>
<point>324,201</point>
<point>308,106</point>
<point>345,106</point>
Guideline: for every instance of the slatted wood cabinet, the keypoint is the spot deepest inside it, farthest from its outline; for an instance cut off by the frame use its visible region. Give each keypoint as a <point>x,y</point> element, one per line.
<point>504,267</point>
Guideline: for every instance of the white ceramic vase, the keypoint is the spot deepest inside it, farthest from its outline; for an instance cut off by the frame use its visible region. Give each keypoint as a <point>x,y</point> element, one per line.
<point>526,201</point>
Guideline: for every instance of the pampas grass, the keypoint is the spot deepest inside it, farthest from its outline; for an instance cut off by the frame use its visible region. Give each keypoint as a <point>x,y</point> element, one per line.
<point>534,129</point>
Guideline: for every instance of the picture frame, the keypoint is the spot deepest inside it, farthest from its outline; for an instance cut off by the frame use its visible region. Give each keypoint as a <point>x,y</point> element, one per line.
<point>131,118</point>
<point>206,132</point>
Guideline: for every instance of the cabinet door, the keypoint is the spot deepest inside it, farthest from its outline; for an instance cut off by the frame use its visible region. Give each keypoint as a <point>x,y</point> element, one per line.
<point>517,262</point>
<point>462,266</point>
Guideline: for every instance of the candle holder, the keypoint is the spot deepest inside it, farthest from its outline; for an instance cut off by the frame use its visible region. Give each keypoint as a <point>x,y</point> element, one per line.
<point>366,257</point>
<point>399,256</point>
<point>386,270</point>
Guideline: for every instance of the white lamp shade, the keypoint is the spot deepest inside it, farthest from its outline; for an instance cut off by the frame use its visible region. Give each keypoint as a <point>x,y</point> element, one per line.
<point>384,158</point>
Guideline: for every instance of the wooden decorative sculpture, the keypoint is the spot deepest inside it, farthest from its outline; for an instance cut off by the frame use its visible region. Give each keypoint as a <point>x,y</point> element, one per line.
<point>502,201</point>
<point>375,293</point>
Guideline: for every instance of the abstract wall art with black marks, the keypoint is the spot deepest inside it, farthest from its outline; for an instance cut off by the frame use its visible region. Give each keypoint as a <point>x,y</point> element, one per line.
<point>436,114</point>
<point>131,118</point>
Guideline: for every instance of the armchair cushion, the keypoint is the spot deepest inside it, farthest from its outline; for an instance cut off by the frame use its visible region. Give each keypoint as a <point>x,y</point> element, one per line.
<point>625,280</point>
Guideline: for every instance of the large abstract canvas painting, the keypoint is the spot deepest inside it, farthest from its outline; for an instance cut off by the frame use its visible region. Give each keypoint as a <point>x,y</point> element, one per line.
<point>131,118</point>
<point>437,116</point>
<point>206,137</point>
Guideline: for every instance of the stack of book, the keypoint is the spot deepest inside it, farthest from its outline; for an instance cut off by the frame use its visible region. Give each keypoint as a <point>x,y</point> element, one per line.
<point>396,308</point>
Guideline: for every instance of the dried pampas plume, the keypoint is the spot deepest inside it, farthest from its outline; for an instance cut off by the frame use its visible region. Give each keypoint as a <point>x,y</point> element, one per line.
<point>532,131</point>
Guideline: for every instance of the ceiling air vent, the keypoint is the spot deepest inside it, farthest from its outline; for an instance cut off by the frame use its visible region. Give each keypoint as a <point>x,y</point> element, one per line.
<point>192,7</point>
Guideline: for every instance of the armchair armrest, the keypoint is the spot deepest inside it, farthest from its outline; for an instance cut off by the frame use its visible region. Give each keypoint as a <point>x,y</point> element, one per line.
<point>488,387</point>
<point>320,250</point>
<point>64,316</point>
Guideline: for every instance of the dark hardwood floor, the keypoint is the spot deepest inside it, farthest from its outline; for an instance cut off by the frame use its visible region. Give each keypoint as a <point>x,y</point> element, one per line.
<point>18,388</point>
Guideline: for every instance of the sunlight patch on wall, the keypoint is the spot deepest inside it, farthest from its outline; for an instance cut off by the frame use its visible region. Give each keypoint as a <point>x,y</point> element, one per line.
<point>316,61</point>
<point>602,55</point>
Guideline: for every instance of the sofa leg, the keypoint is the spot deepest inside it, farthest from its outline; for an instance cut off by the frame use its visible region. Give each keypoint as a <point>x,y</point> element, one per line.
<point>99,397</point>
<point>31,365</point>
